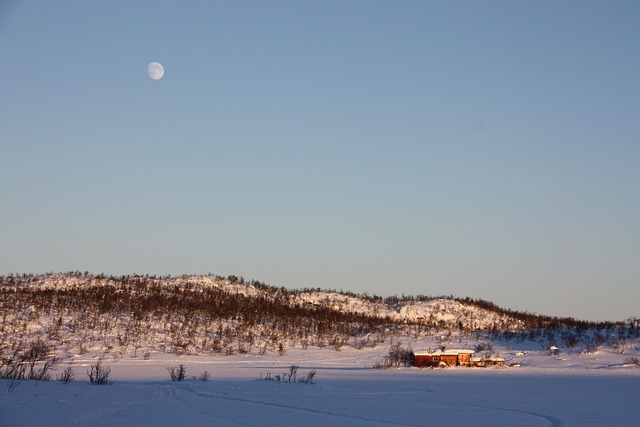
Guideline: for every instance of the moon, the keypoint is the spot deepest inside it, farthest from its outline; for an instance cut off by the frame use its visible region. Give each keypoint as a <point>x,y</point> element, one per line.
<point>155,70</point>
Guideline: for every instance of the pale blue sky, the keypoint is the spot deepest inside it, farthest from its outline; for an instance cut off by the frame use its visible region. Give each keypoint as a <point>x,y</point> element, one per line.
<point>476,148</point>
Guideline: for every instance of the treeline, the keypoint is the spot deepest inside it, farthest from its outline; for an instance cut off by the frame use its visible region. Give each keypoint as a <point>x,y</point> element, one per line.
<point>536,321</point>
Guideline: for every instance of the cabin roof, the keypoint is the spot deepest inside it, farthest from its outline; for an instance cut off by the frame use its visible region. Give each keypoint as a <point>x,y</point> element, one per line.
<point>462,351</point>
<point>442,353</point>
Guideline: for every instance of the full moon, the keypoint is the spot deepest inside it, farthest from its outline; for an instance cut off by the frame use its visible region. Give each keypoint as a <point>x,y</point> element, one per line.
<point>155,70</point>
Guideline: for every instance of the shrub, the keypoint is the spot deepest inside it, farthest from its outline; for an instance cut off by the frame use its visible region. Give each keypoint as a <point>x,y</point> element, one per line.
<point>632,360</point>
<point>98,374</point>
<point>32,363</point>
<point>591,348</point>
<point>360,344</point>
<point>12,367</point>
<point>293,373</point>
<point>483,346</point>
<point>309,379</point>
<point>177,373</point>
<point>399,355</point>
<point>619,344</point>
<point>12,384</point>
<point>267,377</point>
<point>38,352</point>
<point>290,377</point>
<point>66,376</point>
<point>569,340</point>
<point>382,363</point>
<point>42,374</point>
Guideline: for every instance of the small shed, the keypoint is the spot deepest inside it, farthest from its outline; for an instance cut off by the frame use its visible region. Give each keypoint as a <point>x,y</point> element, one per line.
<point>494,361</point>
<point>477,361</point>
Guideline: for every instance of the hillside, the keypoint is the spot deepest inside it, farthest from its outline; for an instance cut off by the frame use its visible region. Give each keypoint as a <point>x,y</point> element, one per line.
<point>135,316</point>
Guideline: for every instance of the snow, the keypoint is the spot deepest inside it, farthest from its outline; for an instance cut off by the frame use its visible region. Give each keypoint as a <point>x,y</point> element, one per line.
<point>579,390</point>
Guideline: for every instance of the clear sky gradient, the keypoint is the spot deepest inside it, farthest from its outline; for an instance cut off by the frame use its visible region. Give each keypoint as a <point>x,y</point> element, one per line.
<point>488,149</point>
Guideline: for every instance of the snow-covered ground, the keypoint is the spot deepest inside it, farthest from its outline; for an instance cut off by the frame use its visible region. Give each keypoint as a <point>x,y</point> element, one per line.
<point>569,389</point>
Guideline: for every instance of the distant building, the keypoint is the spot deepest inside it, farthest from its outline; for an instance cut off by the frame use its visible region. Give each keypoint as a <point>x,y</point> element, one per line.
<point>452,357</point>
<point>441,358</point>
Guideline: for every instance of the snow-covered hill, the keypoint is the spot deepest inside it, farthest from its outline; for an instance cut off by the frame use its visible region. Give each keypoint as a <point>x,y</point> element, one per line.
<point>76,313</point>
<point>437,312</point>
<point>137,316</point>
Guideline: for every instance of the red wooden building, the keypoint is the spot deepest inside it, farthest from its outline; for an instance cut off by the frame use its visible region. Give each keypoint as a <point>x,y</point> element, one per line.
<point>441,358</point>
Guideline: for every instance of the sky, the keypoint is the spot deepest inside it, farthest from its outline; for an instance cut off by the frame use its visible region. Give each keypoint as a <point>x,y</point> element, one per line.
<point>483,149</point>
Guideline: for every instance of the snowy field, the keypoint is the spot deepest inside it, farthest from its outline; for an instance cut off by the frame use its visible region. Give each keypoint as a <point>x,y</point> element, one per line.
<point>547,390</point>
